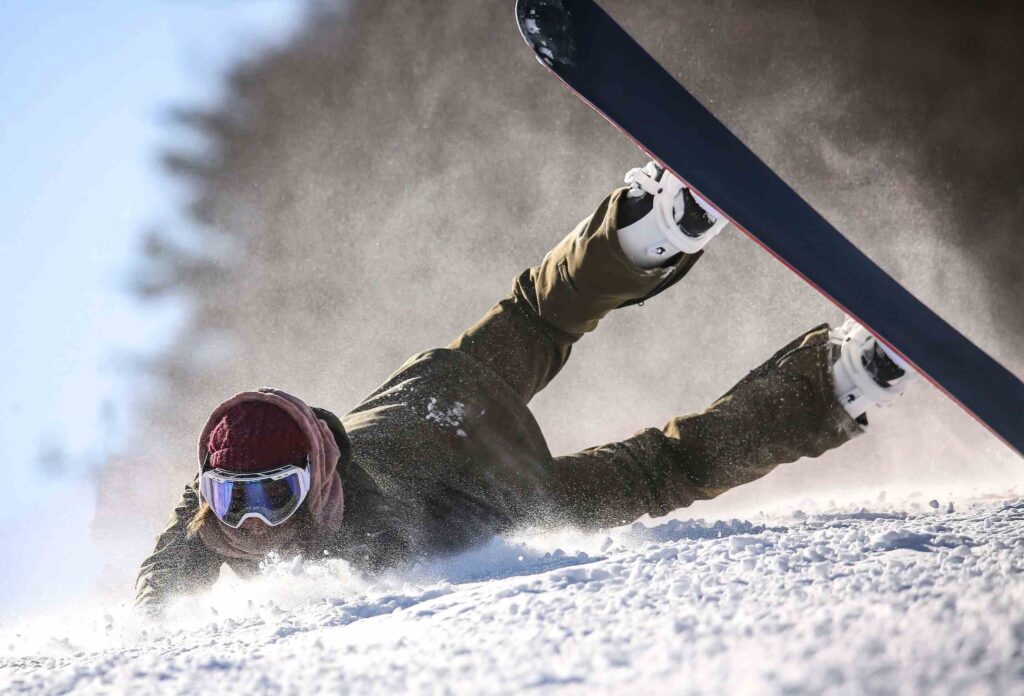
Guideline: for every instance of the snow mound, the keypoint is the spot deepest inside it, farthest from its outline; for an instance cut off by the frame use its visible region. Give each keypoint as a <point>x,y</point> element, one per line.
<point>862,601</point>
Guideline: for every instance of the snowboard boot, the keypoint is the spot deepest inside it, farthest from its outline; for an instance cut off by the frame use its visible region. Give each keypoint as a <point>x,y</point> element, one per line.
<point>865,373</point>
<point>660,218</point>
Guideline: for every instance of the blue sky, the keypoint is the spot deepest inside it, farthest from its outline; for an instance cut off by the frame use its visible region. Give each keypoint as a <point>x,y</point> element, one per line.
<point>83,92</point>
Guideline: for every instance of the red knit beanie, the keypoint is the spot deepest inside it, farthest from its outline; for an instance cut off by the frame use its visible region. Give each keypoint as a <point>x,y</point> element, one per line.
<point>256,436</point>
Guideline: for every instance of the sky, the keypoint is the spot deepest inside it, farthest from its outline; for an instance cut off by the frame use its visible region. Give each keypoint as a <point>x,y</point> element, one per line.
<point>85,88</point>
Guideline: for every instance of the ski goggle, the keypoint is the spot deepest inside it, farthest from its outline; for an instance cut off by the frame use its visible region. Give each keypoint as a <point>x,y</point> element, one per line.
<point>272,496</point>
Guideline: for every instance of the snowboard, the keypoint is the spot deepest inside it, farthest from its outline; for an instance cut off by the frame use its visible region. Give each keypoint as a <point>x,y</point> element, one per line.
<point>606,68</point>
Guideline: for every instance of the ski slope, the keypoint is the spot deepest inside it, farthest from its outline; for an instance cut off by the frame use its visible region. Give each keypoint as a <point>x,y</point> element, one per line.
<point>899,597</point>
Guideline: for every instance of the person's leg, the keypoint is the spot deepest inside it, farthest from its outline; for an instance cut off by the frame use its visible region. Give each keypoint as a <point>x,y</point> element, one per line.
<point>527,337</point>
<point>783,410</point>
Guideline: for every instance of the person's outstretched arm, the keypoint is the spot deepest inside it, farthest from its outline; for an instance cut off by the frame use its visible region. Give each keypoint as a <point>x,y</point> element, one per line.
<point>179,563</point>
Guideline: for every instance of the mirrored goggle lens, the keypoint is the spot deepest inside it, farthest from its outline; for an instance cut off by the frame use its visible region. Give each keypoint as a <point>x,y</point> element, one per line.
<point>275,500</point>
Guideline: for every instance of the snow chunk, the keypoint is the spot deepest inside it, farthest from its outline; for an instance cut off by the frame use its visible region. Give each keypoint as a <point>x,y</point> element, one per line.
<point>447,415</point>
<point>900,538</point>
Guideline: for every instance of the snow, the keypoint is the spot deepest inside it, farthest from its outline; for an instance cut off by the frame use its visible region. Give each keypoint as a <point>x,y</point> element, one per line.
<point>891,597</point>
<point>447,415</point>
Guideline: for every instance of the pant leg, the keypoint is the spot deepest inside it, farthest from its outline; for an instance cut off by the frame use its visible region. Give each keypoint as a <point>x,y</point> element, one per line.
<point>781,411</point>
<point>527,337</point>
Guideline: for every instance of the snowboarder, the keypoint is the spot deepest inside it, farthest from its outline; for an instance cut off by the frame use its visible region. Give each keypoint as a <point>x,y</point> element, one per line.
<point>446,454</point>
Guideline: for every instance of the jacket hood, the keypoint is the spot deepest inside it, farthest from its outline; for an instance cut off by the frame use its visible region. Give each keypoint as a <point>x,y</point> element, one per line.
<point>325,503</point>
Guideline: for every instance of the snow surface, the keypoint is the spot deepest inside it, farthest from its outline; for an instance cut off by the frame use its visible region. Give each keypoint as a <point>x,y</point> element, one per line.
<point>888,598</point>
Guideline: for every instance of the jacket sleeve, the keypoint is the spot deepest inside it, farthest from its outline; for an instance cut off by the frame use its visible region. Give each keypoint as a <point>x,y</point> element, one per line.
<point>178,563</point>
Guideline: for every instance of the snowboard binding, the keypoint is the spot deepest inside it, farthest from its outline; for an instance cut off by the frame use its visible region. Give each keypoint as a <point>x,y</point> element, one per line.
<point>866,373</point>
<point>661,217</point>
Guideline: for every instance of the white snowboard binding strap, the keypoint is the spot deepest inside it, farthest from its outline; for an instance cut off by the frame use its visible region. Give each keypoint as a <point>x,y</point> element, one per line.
<point>866,373</point>
<point>679,221</point>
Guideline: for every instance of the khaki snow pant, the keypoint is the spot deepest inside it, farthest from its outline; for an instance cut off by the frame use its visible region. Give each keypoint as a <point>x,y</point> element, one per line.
<point>781,411</point>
